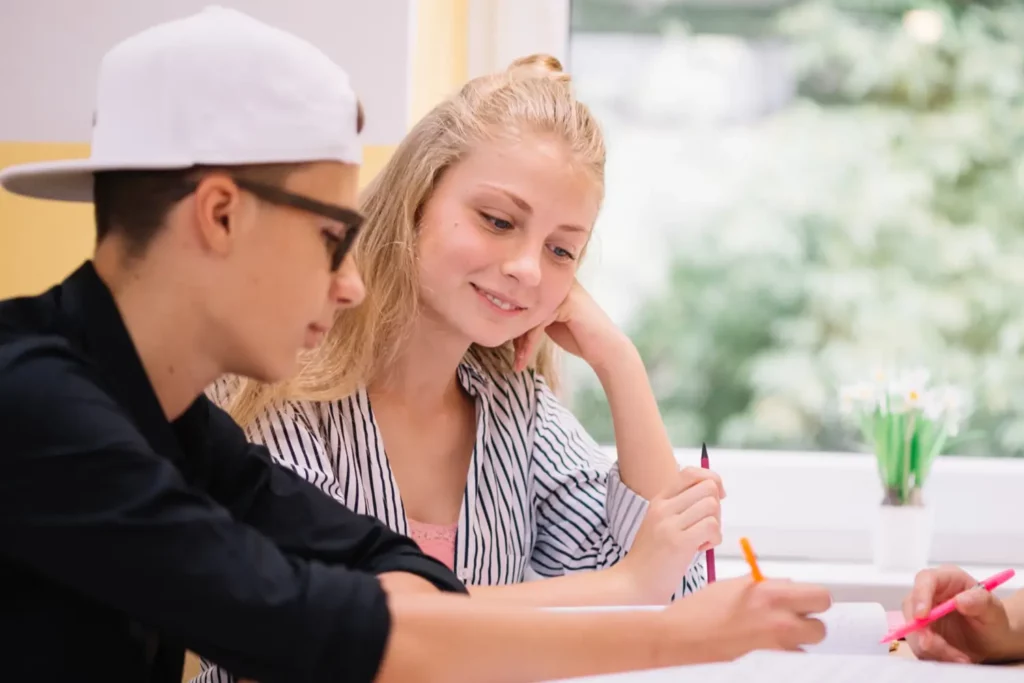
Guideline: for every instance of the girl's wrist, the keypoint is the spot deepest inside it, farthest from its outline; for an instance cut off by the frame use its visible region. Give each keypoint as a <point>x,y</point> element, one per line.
<point>627,582</point>
<point>618,354</point>
<point>636,585</point>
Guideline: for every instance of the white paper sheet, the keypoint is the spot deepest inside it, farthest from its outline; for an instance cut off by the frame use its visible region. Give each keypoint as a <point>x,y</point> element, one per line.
<point>698,673</point>
<point>769,667</point>
<point>853,628</point>
<point>786,667</point>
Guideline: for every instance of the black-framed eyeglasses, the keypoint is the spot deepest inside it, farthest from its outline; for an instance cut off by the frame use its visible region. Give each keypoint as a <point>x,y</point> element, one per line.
<point>351,220</point>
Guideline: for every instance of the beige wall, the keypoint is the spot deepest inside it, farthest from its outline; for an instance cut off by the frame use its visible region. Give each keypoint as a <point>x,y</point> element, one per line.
<point>41,242</point>
<point>441,56</point>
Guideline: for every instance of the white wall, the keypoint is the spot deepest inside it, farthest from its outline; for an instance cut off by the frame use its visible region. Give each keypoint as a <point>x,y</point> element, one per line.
<point>51,50</point>
<point>504,30</point>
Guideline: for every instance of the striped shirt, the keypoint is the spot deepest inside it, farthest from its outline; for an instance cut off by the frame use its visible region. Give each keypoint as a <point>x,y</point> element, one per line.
<point>542,499</point>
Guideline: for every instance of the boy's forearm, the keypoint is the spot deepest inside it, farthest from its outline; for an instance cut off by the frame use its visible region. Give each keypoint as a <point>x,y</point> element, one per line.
<point>404,582</point>
<point>445,638</point>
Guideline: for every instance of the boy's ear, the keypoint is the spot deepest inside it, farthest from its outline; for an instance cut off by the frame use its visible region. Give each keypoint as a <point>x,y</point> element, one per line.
<point>217,202</point>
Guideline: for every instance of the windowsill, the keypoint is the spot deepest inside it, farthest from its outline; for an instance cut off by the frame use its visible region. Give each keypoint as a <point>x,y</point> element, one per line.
<point>855,582</point>
<point>823,507</point>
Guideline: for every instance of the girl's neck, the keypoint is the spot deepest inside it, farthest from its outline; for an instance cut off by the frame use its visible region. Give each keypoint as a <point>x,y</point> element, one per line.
<point>423,377</point>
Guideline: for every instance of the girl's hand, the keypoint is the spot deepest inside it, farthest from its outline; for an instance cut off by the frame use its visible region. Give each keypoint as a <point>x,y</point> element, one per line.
<point>580,327</point>
<point>685,519</point>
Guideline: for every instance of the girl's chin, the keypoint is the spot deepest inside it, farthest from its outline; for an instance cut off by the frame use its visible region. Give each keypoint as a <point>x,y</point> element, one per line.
<point>491,342</point>
<point>491,339</point>
<point>494,336</point>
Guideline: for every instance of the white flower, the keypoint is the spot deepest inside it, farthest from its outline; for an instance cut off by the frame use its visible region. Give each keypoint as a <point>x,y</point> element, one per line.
<point>891,393</point>
<point>912,382</point>
<point>933,406</point>
<point>948,405</point>
<point>954,399</point>
<point>859,396</point>
<point>907,389</point>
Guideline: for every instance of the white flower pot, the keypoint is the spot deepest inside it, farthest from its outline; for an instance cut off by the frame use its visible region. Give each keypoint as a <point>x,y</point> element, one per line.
<point>902,537</point>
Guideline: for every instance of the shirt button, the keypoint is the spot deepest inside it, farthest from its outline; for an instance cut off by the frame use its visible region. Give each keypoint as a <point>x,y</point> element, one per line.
<point>463,575</point>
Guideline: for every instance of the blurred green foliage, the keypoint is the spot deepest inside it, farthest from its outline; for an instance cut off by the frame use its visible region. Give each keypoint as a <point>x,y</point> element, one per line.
<point>879,219</point>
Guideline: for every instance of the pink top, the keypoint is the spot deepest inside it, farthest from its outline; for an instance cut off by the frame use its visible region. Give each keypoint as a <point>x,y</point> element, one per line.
<point>436,540</point>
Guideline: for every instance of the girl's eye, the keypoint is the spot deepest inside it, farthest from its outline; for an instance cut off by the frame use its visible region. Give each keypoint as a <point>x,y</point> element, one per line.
<point>563,254</point>
<point>499,224</point>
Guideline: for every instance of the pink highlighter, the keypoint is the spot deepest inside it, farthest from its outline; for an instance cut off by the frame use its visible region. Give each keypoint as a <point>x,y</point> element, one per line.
<point>945,608</point>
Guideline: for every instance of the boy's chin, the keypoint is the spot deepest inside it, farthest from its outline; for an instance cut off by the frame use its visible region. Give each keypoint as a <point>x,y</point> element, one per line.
<point>276,371</point>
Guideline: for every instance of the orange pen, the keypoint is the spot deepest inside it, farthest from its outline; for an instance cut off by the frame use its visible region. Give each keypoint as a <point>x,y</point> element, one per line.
<point>748,553</point>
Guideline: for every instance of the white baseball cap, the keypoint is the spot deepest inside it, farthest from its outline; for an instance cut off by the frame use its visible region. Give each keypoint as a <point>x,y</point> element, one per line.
<point>216,88</point>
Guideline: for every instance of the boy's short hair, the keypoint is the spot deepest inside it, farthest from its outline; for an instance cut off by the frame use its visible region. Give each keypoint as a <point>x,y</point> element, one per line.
<point>135,204</point>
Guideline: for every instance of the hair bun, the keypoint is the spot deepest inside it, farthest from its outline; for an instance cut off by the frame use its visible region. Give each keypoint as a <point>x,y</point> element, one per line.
<point>538,66</point>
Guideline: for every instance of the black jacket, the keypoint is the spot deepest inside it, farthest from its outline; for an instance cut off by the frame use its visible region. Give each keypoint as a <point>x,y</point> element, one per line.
<point>125,538</point>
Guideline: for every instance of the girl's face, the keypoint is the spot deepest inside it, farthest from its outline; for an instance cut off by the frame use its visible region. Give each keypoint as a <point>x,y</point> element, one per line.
<point>501,236</point>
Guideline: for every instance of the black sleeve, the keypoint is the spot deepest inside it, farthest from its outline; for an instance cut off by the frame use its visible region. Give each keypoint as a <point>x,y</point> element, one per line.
<point>85,502</point>
<point>297,516</point>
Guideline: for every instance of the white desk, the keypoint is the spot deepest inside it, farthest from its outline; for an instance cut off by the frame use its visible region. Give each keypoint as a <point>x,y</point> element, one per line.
<point>851,582</point>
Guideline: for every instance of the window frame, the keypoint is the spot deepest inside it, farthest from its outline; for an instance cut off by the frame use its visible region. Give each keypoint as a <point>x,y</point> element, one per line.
<point>501,31</point>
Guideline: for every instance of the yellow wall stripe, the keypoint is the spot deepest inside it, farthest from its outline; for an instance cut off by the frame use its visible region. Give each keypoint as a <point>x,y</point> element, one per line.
<point>40,241</point>
<point>441,63</point>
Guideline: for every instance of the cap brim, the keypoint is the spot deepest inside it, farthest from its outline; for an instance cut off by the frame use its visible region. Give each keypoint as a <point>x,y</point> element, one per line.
<point>69,180</point>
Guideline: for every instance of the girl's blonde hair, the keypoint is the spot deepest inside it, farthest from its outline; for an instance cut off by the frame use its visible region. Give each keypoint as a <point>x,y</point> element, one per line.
<point>534,96</point>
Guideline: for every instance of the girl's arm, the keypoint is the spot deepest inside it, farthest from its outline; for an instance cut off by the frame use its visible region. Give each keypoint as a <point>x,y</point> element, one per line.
<point>645,455</point>
<point>646,458</point>
<point>609,587</point>
<point>680,511</point>
<point>585,519</point>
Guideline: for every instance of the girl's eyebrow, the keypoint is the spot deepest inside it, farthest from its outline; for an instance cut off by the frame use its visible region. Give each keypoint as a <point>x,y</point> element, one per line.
<point>527,209</point>
<point>516,199</point>
<point>572,227</point>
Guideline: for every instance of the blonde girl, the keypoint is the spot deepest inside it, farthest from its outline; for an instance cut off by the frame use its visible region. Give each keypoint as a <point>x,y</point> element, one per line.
<point>431,406</point>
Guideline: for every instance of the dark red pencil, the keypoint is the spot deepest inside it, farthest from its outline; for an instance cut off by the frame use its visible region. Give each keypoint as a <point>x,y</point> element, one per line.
<point>710,553</point>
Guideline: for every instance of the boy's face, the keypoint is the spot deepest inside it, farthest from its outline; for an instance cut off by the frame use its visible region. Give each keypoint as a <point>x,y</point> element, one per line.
<point>278,291</point>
